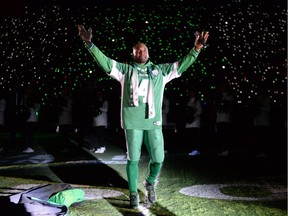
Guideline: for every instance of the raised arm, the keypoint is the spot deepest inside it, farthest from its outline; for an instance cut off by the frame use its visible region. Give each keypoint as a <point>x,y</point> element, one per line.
<point>189,59</point>
<point>104,62</point>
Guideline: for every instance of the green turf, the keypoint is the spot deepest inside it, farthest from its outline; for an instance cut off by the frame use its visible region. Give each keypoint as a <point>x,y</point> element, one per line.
<point>246,191</point>
<point>178,171</point>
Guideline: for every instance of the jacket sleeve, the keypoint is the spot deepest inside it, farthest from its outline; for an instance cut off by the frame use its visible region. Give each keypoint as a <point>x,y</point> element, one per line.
<point>104,62</point>
<point>174,70</point>
<point>187,61</point>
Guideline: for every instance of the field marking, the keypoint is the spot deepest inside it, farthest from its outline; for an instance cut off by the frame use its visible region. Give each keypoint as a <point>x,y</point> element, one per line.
<point>210,191</point>
<point>213,191</point>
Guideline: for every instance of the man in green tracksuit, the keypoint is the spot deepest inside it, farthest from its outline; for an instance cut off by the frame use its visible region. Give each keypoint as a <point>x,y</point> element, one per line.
<point>142,87</point>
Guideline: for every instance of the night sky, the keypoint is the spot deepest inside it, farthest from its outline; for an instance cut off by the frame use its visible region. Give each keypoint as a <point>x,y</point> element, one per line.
<point>247,47</point>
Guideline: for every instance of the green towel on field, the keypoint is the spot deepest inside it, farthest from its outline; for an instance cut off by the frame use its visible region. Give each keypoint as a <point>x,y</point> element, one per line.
<point>68,197</point>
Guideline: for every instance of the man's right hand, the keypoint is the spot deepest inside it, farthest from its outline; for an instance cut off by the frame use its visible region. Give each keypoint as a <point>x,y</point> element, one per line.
<point>85,35</point>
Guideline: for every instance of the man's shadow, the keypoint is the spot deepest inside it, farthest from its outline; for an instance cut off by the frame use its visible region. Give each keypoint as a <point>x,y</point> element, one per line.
<point>9,208</point>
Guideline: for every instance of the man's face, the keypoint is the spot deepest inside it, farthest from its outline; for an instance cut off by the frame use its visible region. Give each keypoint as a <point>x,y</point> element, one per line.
<point>140,53</point>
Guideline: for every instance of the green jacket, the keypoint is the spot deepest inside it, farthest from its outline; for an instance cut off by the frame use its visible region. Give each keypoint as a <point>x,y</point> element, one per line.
<point>142,87</point>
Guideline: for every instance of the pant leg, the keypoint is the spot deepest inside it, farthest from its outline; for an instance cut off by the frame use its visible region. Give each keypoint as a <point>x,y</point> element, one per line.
<point>28,134</point>
<point>224,135</point>
<point>100,130</point>
<point>12,126</point>
<point>134,140</point>
<point>193,138</point>
<point>155,146</point>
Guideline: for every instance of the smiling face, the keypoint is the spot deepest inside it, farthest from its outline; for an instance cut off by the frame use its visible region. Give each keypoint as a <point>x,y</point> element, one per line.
<point>140,53</point>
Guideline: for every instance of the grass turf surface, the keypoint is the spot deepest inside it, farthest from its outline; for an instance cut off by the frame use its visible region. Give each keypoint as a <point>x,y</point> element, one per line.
<point>179,171</point>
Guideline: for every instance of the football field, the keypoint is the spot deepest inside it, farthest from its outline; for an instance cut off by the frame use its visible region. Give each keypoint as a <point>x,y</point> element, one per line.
<point>205,185</point>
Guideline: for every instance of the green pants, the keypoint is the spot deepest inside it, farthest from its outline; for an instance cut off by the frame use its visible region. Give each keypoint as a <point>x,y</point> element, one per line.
<point>153,139</point>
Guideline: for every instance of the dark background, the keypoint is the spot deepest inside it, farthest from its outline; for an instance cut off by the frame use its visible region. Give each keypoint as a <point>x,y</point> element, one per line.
<point>247,49</point>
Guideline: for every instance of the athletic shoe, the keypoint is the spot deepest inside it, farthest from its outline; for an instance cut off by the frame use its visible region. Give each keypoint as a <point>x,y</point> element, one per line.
<point>134,200</point>
<point>28,150</point>
<point>194,153</point>
<point>100,150</point>
<point>150,191</point>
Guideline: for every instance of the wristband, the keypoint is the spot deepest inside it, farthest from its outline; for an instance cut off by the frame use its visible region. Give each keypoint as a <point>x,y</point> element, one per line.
<point>198,51</point>
<point>90,46</point>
